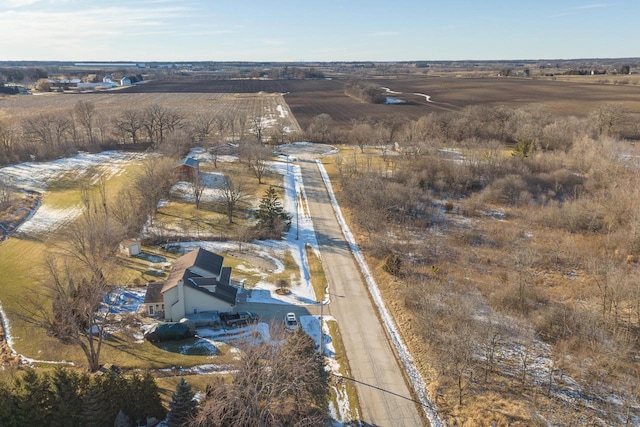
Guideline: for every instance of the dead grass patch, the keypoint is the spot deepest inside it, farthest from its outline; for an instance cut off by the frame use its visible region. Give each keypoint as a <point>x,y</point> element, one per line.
<point>345,371</point>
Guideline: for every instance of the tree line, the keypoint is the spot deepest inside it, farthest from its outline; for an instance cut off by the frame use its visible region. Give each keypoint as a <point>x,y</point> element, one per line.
<point>282,384</point>
<point>484,123</point>
<point>48,136</point>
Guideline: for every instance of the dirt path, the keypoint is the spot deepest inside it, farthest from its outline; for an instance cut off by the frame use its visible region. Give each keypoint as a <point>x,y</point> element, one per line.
<point>384,395</point>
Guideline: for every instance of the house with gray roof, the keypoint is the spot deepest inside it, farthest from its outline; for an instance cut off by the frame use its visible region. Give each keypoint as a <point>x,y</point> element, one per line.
<point>197,282</point>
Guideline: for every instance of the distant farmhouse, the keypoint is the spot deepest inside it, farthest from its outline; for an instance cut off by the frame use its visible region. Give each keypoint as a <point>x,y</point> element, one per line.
<point>106,83</point>
<point>197,282</point>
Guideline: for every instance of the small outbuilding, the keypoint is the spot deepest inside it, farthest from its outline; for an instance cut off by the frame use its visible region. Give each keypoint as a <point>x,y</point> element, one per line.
<point>125,81</point>
<point>130,247</point>
<point>189,168</point>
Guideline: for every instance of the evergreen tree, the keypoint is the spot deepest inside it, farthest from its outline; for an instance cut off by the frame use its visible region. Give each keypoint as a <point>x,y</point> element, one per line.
<point>271,215</point>
<point>143,398</point>
<point>183,405</point>
<point>152,402</point>
<point>7,406</point>
<point>66,397</point>
<point>95,408</point>
<point>31,398</point>
<point>114,389</point>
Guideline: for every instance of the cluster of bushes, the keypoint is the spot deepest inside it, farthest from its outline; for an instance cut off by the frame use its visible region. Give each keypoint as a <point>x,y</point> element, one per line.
<point>365,92</point>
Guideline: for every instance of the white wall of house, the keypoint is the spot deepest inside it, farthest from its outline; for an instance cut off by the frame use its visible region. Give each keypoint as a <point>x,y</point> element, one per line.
<point>198,301</point>
<point>181,300</point>
<point>170,298</point>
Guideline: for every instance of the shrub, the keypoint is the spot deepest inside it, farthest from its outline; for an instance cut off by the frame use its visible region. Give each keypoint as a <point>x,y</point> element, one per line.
<point>392,264</point>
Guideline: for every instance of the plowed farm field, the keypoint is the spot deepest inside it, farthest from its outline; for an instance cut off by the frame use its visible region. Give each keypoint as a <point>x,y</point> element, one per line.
<point>422,95</point>
<point>268,105</point>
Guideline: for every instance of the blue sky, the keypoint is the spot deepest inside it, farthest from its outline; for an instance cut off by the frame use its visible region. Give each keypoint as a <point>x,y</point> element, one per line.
<point>327,30</point>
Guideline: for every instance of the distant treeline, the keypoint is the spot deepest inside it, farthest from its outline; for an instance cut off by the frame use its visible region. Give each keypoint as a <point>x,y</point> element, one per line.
<point>366,92</point>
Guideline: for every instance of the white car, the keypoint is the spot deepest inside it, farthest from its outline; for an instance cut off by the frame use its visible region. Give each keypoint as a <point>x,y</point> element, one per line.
<point>291,322</point>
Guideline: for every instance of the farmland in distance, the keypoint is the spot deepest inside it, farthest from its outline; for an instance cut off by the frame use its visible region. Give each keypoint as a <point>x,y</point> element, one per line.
<point>308,98</point>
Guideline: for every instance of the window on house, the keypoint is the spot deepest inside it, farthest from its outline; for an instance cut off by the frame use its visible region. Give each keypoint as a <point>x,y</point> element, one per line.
<point>151,310</point>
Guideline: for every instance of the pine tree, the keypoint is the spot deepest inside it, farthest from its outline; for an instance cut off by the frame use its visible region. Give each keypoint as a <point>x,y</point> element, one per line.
<point>95,408</point>
<point>151,397</point>
<point>183,405</point>
<point>271,215</point>
<point>143,398</point>
<point>7,405</point>
<point>65,399</point>
<point>31,397</point>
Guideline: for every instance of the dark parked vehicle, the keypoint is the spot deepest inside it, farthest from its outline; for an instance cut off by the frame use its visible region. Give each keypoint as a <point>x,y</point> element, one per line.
<point>168,331</point>
<point>239,318</point>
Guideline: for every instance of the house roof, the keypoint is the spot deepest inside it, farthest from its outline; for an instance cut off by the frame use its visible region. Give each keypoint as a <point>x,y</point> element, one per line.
<point>210,262</point>
<point>191,162</point>
<point>154,294</point>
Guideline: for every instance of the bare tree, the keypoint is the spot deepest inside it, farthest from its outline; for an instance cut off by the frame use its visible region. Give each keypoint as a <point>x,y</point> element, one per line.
<point>230,122</point>
<point>77,283</point>
<point>155,182</point>
<point>283,385</point>
<point>320,127</point>
<point>7,141</point>
<point>129,123</point>
<point>197,186</point>
<point>232,194</point>
<point>47,134</point>
<point>203,125</point>
<point>605,118</point>
<point>6,193</point>
<point>279,132</point>
<point>85,113</point>
<point>255,155</point>
<point>258,125</point>
<point>361,134</point>
<point>158,120</point>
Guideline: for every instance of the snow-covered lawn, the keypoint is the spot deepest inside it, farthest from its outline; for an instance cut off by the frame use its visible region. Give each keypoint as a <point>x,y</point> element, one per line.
<point>46,220</point>
<point>37,176</point>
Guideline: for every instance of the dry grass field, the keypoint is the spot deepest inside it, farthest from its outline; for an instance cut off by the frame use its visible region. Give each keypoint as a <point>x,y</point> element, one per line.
<point>525,303</point>
<point>268,105</point>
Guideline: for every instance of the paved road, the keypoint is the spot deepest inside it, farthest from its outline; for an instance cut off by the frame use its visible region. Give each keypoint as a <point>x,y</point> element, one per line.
<point>384,396</point>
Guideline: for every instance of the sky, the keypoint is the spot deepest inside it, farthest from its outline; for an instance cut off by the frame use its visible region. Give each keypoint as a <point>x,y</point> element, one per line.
<point>327,30</point>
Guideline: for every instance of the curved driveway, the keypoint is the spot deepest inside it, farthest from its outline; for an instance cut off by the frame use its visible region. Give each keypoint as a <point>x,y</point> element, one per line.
<point>383,393</point>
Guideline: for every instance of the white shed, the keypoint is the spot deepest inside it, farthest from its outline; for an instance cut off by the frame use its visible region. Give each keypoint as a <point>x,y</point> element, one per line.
<point>125,81</point>
<point>131,247</point>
